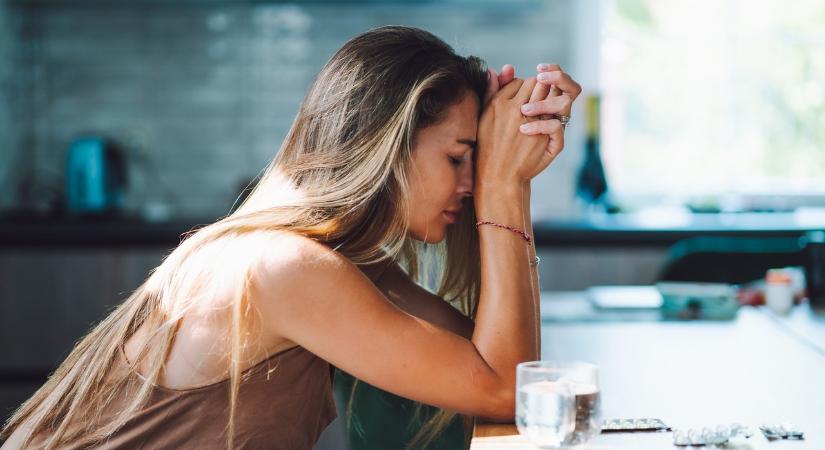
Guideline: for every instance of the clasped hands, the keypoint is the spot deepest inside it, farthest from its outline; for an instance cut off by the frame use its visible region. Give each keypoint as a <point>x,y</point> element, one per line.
<point>552,97</point>
<point>537,106</point>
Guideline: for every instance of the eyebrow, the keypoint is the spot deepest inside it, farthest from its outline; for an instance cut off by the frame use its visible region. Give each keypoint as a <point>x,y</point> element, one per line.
<point>468,142</point>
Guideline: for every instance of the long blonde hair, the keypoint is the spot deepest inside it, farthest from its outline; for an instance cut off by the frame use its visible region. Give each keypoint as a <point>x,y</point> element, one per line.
<point>340,177</point>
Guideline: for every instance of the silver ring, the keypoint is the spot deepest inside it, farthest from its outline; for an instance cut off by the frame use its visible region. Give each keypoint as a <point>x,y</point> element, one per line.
<point>564,119</point>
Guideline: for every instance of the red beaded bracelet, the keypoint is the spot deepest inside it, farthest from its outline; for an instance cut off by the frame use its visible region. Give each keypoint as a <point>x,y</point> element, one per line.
<point>506,227</point>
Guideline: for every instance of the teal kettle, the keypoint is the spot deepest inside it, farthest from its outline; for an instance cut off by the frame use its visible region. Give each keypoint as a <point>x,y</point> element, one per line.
<point>95,176</point>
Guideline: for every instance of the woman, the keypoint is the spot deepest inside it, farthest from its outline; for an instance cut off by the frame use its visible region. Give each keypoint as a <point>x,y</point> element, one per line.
<point>377,419</point>
<point>230,342</point>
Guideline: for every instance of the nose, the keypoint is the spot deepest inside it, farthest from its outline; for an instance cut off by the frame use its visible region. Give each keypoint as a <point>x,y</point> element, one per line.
<point>465,181</point>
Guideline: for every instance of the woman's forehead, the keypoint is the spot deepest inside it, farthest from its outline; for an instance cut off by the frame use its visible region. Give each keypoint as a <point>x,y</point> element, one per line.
<point>461,120</point>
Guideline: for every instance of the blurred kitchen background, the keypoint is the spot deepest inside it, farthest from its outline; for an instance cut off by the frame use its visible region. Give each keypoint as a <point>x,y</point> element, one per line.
<point>126,123</point>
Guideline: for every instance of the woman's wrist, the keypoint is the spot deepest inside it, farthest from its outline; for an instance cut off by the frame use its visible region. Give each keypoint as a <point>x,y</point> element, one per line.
<point>499,190</point>
<point>502,203</point>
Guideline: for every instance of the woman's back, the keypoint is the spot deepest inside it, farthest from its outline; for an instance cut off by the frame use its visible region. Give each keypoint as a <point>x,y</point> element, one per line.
<point>201,349</point>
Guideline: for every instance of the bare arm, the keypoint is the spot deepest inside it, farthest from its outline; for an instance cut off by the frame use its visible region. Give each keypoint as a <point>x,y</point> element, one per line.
<point>534,269</point>
<point>318,299</point>
<point>506,318</point>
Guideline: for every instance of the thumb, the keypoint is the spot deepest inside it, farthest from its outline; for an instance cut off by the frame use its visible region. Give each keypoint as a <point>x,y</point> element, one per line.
<point>492,85</point>
<point>508,73</point>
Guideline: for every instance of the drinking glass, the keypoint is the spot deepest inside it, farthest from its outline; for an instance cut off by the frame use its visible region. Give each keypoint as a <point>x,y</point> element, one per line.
<point>558,402</point>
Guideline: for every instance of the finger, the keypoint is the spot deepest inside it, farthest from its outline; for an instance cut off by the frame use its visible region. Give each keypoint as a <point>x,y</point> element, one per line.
<point>547,67</point>
<point>492,85</point>
<point>525,90</point>
<point>552,105</point>
<point>562,81</point>
<point>540,92</point>
<point>550,67</point>
<point>556,143</point>
<point>552,129</point>
<point>511,89</point>
<point>548,127</point>
<point>508,72</point>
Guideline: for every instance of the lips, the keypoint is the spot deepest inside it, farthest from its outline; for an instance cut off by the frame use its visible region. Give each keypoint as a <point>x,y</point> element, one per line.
<point>451,215</point>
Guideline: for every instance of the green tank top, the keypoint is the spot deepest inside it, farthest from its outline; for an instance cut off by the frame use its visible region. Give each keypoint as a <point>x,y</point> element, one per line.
<point>384,421</point>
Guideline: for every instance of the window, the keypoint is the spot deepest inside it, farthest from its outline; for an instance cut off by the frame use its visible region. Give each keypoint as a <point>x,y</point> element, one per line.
<point>714,99</point>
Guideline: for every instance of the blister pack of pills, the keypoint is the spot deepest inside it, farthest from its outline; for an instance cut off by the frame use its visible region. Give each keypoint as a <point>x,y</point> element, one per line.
<point>719,435</point>
<point>631,425</point>
<point>781,431</point>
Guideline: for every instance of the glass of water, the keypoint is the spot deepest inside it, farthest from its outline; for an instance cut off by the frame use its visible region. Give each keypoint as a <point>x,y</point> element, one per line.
<point>558,403</point>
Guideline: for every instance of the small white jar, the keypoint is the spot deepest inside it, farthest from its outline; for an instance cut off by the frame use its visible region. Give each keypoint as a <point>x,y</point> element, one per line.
<point>778,291</point>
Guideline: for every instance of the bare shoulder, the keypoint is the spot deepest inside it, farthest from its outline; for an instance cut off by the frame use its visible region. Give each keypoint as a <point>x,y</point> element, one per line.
<point>297,275</point>
<point>290,257</point>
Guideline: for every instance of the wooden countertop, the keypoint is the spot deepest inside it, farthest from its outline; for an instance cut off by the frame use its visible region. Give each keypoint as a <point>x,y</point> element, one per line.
<point>757,369</point>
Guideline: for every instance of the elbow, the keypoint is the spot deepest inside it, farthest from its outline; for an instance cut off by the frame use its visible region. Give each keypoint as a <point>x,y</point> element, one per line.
<point>506,409</point>
<point>501,406</point>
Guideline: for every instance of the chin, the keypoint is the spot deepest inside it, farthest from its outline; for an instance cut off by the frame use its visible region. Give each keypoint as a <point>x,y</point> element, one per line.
<point>433,237</point>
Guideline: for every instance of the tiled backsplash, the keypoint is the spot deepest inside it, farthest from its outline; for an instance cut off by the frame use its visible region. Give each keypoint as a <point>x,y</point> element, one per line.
<point>11,100</point>
<point>203,92</point>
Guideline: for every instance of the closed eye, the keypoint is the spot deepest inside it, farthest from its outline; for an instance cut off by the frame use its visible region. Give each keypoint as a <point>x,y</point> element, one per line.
<point>455,161</point>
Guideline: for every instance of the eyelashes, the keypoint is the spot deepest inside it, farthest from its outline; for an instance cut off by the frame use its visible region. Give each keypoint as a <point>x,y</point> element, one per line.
<point>455,161</point>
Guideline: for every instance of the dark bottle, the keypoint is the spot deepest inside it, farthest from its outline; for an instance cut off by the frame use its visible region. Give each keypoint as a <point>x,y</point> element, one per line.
<point>591,184</point>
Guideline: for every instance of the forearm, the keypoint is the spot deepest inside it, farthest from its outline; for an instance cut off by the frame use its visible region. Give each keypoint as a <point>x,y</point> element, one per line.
<point>507,317</point>
<point>534,269</point>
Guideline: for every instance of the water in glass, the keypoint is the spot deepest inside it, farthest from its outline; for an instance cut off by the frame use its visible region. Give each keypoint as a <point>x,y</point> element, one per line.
<point>545,413</point>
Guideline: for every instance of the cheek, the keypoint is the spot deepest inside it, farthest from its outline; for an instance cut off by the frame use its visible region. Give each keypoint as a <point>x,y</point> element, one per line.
<point>440,186</point>
<point>430,196</point>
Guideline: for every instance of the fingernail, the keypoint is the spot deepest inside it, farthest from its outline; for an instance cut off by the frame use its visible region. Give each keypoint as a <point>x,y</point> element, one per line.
<point>544,66</point>
<point>525,127</point>
<point>526,108</point>
<point>544,76</point>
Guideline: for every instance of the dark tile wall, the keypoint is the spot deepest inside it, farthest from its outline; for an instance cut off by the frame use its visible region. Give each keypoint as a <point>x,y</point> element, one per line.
<point>204,92</point>
<point>12,99</point>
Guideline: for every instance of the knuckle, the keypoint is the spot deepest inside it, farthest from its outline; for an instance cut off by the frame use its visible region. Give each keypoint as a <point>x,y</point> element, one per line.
<point>548,106</point>
<point>539,108</point>
<point>547,127</point>
<point>555,146</point>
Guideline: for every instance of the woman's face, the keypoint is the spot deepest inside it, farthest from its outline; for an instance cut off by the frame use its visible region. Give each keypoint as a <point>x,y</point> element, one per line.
<point>442,170</point>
